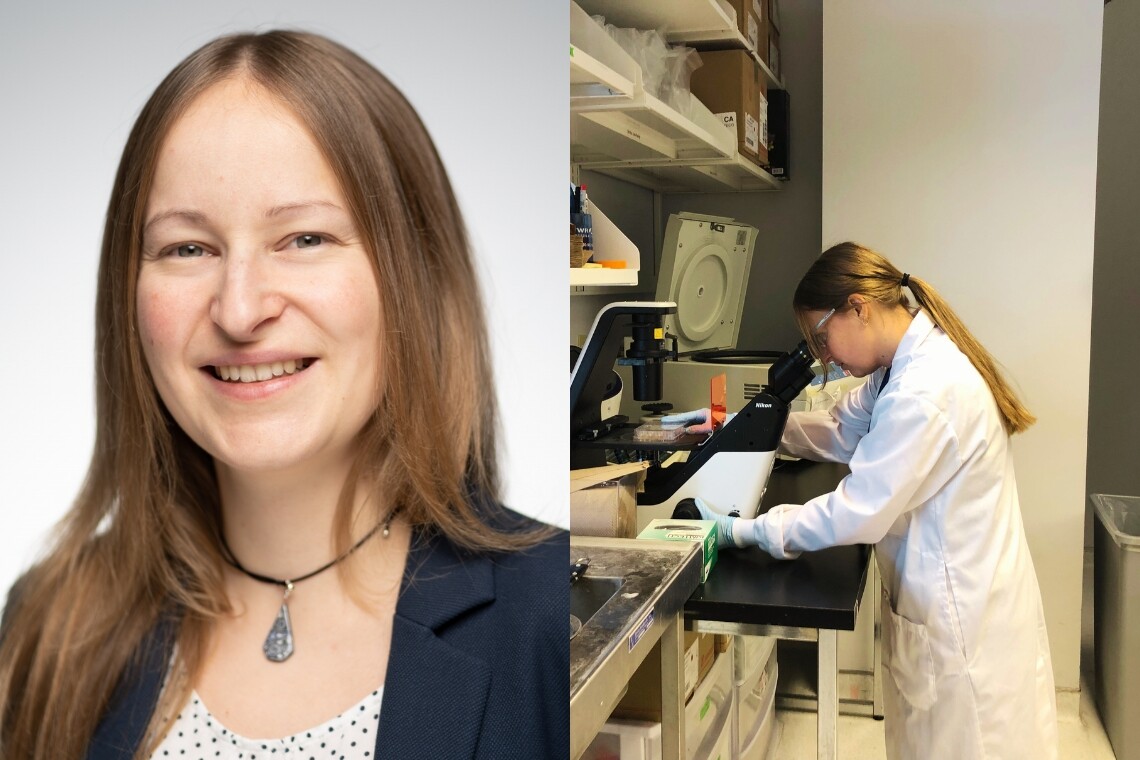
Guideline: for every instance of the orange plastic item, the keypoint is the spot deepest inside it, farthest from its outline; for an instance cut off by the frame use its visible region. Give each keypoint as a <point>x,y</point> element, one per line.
<point>718,398</point>
<point>611,263</point>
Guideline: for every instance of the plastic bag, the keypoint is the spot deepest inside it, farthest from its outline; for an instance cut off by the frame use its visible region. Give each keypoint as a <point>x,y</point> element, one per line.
<point>666,69</point>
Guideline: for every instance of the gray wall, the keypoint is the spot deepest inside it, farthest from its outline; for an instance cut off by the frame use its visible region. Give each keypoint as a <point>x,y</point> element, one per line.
<point>1114,410</point>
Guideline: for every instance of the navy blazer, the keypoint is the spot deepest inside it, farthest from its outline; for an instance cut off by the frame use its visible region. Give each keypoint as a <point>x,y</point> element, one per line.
<point>479,663</point>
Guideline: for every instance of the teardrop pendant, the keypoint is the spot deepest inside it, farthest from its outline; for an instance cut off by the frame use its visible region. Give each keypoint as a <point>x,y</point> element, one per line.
<point>279,643</point>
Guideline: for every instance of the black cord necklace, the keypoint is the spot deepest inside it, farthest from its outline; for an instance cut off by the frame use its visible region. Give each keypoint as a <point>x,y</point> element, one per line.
<point>279,643</point>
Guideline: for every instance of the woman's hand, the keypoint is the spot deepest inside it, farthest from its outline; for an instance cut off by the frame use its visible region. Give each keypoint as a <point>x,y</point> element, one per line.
<point>734,532</point>
<point>723,523</point>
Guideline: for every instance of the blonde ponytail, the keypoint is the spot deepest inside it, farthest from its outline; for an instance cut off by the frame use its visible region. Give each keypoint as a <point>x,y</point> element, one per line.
<point>848,268</point>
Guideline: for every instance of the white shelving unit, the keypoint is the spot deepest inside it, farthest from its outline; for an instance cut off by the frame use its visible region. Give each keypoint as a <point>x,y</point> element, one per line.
<point>592,83</point>
<point>702,24</point>
<point>687,175</point>
<point>588,277</point>
<point>619,129</point>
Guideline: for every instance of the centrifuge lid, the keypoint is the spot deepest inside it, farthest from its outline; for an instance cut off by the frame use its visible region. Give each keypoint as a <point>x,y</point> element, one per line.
<point>704,269</point>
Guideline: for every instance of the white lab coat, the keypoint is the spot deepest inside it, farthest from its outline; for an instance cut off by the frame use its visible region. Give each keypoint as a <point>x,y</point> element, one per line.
<point>968,671</point>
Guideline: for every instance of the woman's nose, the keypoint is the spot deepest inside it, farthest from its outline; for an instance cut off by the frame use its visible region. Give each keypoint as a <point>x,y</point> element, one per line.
<point>246,298</point>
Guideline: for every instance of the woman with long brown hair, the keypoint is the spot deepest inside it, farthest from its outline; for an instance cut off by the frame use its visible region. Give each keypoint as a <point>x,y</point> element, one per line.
<point>289,539</point>
<point>932,486</point>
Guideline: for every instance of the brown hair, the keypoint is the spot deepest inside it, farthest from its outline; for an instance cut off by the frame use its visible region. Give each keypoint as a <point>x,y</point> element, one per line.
<point>142,540</point>
<point>848,268</point>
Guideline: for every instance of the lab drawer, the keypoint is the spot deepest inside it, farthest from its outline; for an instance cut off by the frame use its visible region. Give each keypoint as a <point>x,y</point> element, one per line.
<point>626,740</point>
<point>752,653</point>
<point>709,712</point>
<point>708,724</point>
<point>763,744</point>
<point>756,711</point>
<point>721,748</point>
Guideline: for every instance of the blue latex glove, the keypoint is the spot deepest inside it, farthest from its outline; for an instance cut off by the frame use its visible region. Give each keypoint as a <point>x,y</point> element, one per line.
<point>723,524</point>
<point>738,532</point>
<point>696,421</point>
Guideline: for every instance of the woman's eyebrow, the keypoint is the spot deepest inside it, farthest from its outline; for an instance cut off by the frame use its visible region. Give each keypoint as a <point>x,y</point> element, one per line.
<point>286,208</point>
<point>195,217</point>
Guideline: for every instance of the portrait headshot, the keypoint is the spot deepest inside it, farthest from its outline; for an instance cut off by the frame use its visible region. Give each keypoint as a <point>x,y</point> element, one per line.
<point>285,483</point>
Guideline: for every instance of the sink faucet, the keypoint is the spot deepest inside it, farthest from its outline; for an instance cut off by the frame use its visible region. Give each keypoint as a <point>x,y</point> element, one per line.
<point>578,568</point>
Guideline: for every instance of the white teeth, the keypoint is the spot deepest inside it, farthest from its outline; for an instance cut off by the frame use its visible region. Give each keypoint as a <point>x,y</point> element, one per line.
<point>253,373</point>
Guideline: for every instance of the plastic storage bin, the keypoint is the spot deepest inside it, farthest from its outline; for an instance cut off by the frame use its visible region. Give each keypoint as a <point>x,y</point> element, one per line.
<point>626,740</point>
<point>1116,619</point>
<point>752,654</point>
<point>756,710</point>
<point>708,724</point>
<point>722,748</point>
<point>710,710</point>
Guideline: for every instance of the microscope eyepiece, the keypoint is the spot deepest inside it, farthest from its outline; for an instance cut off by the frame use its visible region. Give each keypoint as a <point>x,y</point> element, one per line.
<point>791,373</point>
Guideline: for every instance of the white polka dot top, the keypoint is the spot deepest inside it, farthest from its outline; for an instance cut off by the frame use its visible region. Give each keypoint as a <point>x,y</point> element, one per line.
<point>197,735</point>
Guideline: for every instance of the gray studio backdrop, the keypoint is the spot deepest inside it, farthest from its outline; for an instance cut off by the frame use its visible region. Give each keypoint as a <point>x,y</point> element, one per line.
<point>488,79</point>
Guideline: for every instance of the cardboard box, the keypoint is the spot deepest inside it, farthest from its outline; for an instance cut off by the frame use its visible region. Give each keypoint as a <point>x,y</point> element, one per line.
<point>778,132</point>
<point>749,20</point>
<point>603,500</point>
<point>642,700</point>
<point>702,531</point>
<point>706,654</point>
<point>731,84</point>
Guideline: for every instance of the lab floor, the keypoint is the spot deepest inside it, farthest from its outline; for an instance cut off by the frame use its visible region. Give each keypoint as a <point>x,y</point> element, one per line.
<point>1081,733</point>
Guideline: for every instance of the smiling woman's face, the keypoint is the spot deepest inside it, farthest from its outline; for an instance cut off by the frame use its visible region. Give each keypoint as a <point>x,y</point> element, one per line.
<point>258,307</point>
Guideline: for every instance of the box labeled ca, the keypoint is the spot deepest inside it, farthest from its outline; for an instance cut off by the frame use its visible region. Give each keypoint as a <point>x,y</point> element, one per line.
<point>731,85</point>
<point>702,531</point>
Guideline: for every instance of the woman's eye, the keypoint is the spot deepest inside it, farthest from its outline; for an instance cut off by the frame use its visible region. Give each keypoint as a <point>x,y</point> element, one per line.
<point>308,241</point>
<point>187,251</point>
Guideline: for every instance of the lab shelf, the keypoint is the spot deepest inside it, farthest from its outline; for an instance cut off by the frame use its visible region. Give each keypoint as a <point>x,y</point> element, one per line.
<point>593,84</point>
<point>619,129</point>
<point>702,24</point>
<point>582,277</point>
<point>638,127</point>
<point>684,176</point>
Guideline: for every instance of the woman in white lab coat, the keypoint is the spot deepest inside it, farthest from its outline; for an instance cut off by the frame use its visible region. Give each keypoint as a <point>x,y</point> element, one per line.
<point>927,439</point>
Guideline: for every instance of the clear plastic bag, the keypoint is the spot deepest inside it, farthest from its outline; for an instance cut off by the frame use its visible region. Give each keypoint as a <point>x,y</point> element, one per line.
<point>666,69</point>
<point>680,63</point>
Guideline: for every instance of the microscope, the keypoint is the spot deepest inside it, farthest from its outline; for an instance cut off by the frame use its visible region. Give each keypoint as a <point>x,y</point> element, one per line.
<point>729,469</point>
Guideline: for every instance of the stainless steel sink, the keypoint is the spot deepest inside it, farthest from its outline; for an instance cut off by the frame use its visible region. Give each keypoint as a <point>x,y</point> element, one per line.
<point>589,593</point>
<point>629,594</point>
